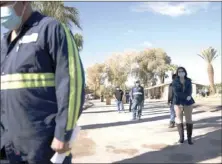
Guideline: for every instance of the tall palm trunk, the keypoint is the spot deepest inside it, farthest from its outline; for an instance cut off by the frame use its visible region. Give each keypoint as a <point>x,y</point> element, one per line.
<point>210,71</point>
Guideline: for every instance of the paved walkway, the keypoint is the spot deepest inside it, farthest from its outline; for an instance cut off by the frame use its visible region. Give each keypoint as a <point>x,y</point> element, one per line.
<point>110,137</point>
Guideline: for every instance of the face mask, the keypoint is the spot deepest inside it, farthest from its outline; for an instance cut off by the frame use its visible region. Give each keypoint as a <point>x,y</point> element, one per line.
<point>181,74</point>
<point>9,18</point>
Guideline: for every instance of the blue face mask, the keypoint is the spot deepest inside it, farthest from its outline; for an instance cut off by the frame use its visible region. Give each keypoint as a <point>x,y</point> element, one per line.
<point>9,18</point>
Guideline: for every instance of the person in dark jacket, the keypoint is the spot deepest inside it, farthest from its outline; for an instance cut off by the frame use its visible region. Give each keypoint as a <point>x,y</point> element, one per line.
<point>127,96</point>
<point>130,100</point>
<point>119,99</point>
<point>170,103</point>
<point>42,85</point>
<point>138,100</point>
<point>183,101</point>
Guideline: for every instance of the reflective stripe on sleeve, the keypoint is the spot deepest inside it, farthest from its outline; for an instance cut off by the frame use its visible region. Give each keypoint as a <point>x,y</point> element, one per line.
<point>27,76</point>
<point>27,80</point>
<point>75,76</point>
<point>80,81</point>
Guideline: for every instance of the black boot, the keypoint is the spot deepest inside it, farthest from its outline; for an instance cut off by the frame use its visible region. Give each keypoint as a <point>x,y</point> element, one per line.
<point>189,133</point>
<point>181,132</point>
<point>172,124</point>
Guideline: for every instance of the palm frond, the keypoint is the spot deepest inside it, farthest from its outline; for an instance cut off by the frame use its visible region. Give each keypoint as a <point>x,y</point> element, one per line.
<point>208,54</point>
<point>64,14</point>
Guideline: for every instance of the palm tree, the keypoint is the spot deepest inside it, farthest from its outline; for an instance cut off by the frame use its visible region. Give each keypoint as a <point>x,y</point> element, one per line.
<point>209,55</point>
<point>172,68</point>
<point>64,14</point>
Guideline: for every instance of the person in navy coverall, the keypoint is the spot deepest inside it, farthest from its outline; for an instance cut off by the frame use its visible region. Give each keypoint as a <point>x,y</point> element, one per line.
<point>183,101</point>
<point>42,85</point>
<point>137,100</point>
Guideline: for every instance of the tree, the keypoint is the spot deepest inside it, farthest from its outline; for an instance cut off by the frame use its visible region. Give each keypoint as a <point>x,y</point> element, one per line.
<point>172,68</point>
<point>94,77</point>
<point>152,63</point>
<point>209,55</point>
<point>118,69</point>
<point>162,61</point>
<point>145,70</point>
<point>65,14</point>
<point>79,41</point>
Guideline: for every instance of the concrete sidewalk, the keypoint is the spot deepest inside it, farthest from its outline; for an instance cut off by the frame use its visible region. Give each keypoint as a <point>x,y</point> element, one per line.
<point>110,137</point>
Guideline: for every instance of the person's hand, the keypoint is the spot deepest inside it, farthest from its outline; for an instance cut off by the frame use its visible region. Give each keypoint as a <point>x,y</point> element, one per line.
<point>59,146</point>
<point>188,98</point>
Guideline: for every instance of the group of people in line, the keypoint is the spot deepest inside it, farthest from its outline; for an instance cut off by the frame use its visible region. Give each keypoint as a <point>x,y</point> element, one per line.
<point>42,88</point>
<point>180,102</point>
<point>135,98</point>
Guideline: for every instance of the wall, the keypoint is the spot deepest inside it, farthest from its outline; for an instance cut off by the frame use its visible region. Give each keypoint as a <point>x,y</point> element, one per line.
<point>194,90</point>
<point>165,92</point>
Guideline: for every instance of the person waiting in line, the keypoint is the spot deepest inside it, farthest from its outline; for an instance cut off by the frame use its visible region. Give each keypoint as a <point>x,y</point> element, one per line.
<point>138,100</point>
<point>130,101</point>
<point>119,99</point>
<point>170,103</point>
<point>183,101</point>
<point>127,96</point>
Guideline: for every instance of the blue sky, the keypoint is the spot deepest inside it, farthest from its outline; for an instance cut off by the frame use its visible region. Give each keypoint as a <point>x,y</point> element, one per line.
<point>181,29</point>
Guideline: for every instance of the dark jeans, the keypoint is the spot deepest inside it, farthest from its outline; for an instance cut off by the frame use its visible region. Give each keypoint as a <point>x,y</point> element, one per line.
<point>130,105</point>
<point>137,109</point>
<point>127,99</point>
<point>9,153</point>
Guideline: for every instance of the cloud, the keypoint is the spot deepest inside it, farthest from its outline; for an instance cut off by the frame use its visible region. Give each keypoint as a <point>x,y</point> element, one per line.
<point>173,9</point>
<point>128,32</point>
<point>146,44</point>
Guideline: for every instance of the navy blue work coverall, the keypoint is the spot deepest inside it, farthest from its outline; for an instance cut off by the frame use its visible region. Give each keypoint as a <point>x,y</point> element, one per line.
<point>137,101</point>
<point>42,89</point>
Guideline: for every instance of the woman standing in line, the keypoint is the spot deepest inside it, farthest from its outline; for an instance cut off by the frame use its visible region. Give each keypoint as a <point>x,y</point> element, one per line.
<point>183,101</point>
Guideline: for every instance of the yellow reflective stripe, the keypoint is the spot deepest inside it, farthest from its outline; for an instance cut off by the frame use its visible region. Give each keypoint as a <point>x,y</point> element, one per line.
<point>75,74</point>
<point>27,76</point>
<point>72,80</point>
<point>27,84</point>
<point>80,81</point>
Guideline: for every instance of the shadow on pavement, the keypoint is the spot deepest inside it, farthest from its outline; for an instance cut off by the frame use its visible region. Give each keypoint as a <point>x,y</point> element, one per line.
<point>102,111</point>
<point>104,106</point>
<point>217,108</point>
<point>147,107</point>
<point>206,147</point>
<point>87,105</point>
<point>122,123</point>
<point>208,122</point>
<point>154,112</point>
